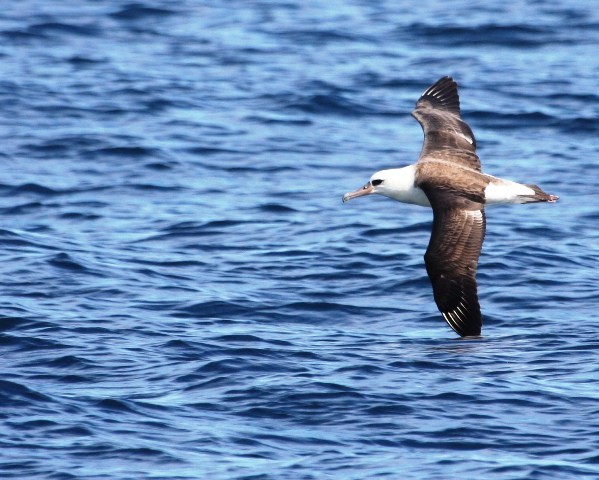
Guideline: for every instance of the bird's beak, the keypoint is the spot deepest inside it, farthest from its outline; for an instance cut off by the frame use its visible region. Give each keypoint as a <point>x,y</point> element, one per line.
<point>360,192</point>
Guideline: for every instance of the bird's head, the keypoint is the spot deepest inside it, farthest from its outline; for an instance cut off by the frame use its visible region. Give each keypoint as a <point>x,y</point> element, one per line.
<point>376,184</point>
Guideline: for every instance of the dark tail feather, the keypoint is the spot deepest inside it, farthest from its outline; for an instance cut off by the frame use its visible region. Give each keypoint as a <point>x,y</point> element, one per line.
<point>541,196</point>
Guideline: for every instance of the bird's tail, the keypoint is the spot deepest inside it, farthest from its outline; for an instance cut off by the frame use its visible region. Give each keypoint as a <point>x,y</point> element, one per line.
<point>539,195</point>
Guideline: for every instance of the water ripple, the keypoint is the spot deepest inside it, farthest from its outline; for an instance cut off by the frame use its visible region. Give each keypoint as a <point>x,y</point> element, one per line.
<point>184,294</point>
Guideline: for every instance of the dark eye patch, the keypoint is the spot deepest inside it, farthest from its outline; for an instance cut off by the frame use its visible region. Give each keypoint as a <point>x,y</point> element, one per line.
<point>376,182</point>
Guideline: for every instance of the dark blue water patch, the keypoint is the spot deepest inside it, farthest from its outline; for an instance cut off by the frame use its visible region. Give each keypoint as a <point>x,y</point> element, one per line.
<point>126,152</point>
<point>22,209</point>
<point>22,241</point>
<point>528,120</point>
<point>216,309</point>
<point>141,11</point>
<point>389,410</point>
<point>152,187</point>
<point>324,87</point>
<point>276,208</point>
<point>66,262</point>
<point>33,343</point>
<point>9,323</point>
<point>579,125</point>
<point>33,424</point>
<point>423,227</point>
<point>183,350</point>
<point>213,150</point>
<point>71,362</point>
<point>236,364</point>
<point>34,188</point>
<point>118,406</point>
<point>170,263</point>
<point>14,394</point>
<point>153,98</point>
<point>317,308</point>
<point>497,120</point>
<point>162,166</point>
<point>279,120</point>
<point>108,451</point>
<point>20,36</point>
<point>317,36</point>
<point>84,61</point>
<point>52,29</point>
<point>80,216</point>
<point>107,110</point>
<point>511,35</point>
<point>62,144</point>
<point>249,339</point>
<point>265,170</point>
<point>328,104</point>
<point>309,407</point>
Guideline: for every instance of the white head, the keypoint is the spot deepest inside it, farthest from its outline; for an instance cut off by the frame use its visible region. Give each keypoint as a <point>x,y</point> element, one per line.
<point>395,183</point>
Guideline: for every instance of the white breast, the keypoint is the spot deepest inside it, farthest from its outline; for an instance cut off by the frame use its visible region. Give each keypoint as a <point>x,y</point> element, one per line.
<point>399,185</point>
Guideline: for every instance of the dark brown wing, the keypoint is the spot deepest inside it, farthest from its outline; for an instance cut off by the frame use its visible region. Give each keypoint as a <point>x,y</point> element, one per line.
<point>446,136</point>
<point>451,260</point>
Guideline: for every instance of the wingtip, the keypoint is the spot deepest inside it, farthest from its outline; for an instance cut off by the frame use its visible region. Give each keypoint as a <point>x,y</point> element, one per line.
<point>464,327</point>
<point>444,94</point>
<point>444,81</point>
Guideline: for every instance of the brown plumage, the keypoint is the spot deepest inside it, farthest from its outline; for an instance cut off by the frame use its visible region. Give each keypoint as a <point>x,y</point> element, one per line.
<point>448,178</point>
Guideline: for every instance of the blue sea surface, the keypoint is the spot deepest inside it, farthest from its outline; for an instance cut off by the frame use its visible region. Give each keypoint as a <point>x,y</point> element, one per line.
<point>184,296</point>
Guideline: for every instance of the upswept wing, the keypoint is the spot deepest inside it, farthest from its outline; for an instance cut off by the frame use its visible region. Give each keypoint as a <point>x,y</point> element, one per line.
<point>446,136</point>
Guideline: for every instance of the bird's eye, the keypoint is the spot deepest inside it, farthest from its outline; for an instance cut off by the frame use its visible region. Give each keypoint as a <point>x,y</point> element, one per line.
<point>376,182</point>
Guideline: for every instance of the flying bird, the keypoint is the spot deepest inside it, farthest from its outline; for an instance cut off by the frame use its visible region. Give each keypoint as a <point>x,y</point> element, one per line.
<point>447,177</point>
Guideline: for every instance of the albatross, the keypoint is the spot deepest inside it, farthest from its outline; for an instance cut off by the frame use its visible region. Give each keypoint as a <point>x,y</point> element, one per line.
<point>447,177</point>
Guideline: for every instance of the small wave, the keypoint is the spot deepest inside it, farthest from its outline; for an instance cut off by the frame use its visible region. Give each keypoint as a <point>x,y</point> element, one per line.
<point>9,323</point>
<point>330,104</point>
<point>125,152</point>
<point>70,362</point>
<point>216,309</point>
<point>23,209</point>
<point>35,188</point>
<point>139,11</point>
<point>279,120</point>
<point>85,61</point>
<point>62,145</point>
<point>517,36</point>
<point>79,216</point>
<point>245,338</point>
<point>276,208</point>
<point>65,262</point>
<point>213,150</point>
<point>496,120</point>
<point>12,240</point>
<point>418,227</point>
<point>161,166</point>
<point>14,394</point>
<point>319,37</point>
<point>116,405</point>
<point>153,187</point>
<point>21,35</point>
<point>49,29</point>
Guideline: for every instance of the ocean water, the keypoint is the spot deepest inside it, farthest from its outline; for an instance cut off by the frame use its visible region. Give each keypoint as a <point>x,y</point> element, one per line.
<point>184,296</point>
